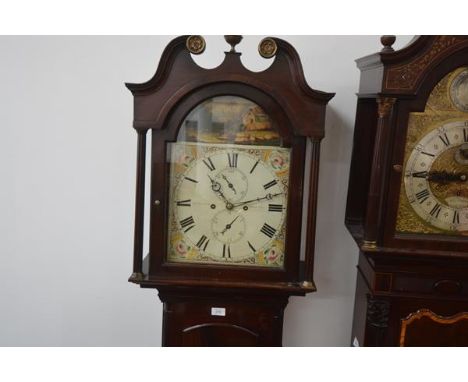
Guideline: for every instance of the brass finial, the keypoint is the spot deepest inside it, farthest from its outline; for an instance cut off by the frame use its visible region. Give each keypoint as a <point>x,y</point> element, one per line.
<point>387,41</point>
<point>195,44</point>
<point>136,277</point>
<point>368,245</point>
<point>233,40</point>
<point>267,47</point>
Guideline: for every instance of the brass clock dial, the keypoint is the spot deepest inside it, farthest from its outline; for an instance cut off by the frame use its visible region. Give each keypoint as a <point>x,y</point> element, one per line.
<point>228,204</point>
<point>436,177</point>
<point>434,187</point>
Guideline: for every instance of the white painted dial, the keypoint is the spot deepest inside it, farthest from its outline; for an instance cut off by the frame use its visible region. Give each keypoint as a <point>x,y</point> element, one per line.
<point>228,204</point>
<point>436,177</point>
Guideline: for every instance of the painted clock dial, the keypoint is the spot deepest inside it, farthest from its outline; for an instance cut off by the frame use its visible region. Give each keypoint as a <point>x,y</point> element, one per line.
<point>228,201</point>
<point>434,195</point>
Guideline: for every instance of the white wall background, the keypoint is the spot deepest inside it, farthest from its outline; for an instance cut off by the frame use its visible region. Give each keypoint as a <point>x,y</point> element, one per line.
<point>67,174</point>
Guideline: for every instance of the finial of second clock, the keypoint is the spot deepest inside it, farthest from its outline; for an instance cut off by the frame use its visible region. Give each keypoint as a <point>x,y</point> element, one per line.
<point>233,40</point>
<point>387,41</point>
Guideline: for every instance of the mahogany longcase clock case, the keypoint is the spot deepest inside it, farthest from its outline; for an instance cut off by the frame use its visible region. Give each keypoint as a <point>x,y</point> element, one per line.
<point>229,149</point>
<point>408,194</point>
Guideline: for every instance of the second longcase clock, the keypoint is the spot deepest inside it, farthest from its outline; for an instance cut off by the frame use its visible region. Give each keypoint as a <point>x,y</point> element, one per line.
<point>228,153</point>
<point>408,194</point>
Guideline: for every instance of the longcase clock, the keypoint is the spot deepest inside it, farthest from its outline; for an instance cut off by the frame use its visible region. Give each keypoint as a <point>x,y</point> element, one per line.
<point>228,182</point>
<point>408,194</point>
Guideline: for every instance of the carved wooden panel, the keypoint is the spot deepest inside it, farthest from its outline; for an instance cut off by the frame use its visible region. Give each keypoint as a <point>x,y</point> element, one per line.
<point>215,318</point>
<point>425,328</point>
<point>407,75</point>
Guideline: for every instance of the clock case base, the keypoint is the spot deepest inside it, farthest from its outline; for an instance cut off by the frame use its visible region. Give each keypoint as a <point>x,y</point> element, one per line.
<point>191,318</point>
<point>410,301</point>
<point>253,311</point>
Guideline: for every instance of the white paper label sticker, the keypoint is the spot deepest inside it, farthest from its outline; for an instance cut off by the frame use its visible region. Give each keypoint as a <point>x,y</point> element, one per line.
<point>355,342</point>
<point>218,311</point>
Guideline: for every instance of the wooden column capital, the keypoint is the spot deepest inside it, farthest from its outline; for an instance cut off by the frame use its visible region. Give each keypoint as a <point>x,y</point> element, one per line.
<point>385,105</point>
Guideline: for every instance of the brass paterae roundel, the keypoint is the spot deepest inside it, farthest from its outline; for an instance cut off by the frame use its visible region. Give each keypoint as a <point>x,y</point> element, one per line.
<point>459,91</point>
<point>195,44</point>
<point>267,47</point>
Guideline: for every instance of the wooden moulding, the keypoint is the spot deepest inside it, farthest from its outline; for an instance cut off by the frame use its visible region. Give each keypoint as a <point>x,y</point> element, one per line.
<point>161,105</point>
<point>414,318</point>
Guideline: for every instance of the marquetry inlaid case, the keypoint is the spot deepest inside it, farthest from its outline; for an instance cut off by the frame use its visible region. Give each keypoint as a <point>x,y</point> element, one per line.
<point>407,205</point>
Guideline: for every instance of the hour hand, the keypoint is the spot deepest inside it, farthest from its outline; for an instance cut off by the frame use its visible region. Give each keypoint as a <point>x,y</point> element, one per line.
<point>446,177</point>
<point>216,187</point>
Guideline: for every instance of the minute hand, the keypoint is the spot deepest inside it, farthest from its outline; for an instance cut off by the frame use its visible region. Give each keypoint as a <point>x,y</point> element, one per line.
<point>268,197</point>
